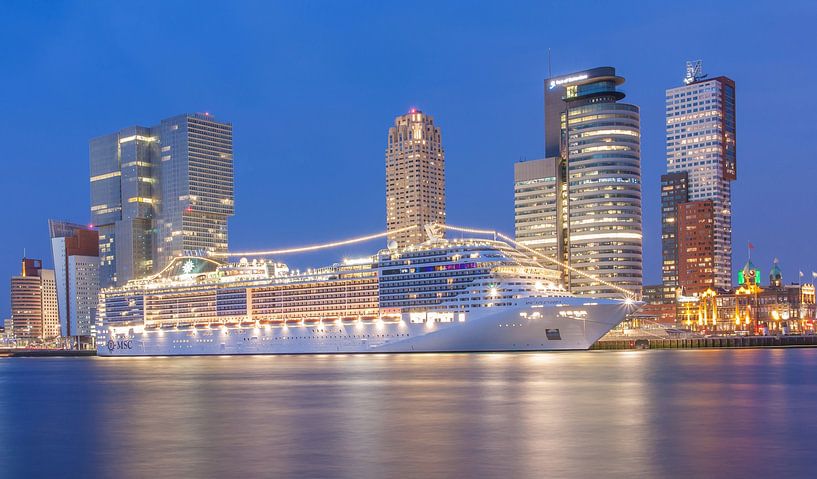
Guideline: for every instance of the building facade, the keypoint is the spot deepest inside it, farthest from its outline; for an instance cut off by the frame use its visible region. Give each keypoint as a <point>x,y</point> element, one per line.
<point>159,191</point>
<point>752,308</point>
<point>124,175</point>
<point>674,191</point>
<point>76,264</point>
<point>415,177</point>
<point>34,310</point>
<point>196,187</point>
<point>537,202</point>
<point>582,203</point>
<point>696,234</point>
<point>701,143</point>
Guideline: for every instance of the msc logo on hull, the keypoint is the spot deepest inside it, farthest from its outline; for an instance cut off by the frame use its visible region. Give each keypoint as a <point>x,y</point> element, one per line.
<point>121,344</point>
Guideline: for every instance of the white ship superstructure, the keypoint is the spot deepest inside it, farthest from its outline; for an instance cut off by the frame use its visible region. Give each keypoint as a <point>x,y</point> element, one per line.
<point>442,295</point>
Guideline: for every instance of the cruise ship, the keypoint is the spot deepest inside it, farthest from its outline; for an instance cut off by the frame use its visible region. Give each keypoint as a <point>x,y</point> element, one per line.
<point>444,295</point>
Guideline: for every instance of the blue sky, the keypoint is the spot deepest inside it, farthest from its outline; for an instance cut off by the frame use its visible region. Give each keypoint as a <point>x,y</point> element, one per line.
<point>312,87</point>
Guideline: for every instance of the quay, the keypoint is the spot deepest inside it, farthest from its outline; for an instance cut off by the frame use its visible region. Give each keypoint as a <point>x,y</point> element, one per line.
<point>44,353</point>
<point>715,342</point>
<point>602,344</point>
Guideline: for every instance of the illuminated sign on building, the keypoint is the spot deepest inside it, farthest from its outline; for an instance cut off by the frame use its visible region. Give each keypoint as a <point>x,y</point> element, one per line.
<point>561,81</point>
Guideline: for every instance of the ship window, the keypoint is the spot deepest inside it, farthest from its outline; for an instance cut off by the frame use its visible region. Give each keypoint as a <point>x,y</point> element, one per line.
<point>553,334</point>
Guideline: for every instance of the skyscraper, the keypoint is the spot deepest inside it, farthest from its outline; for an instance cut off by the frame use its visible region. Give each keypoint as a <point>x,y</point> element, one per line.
<point>76,264</point>
<point>124,202</point>
<point>582,203</point>
<point>34,311</point>
<point>196,184</point>
<point>415,177</point>
<point>537,205</point>
<point>159,192</point>
<point>701,142</point>
<point>674,191</point>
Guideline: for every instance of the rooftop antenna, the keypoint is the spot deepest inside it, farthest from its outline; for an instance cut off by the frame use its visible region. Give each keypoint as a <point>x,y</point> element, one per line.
<point>550,67</point>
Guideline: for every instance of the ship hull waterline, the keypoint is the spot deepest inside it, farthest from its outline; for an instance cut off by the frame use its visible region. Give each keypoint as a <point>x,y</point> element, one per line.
<point>500,329</point>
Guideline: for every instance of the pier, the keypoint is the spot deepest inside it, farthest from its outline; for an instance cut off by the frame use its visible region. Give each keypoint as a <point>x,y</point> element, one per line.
<point>45,353</point>
<point>715,342</point>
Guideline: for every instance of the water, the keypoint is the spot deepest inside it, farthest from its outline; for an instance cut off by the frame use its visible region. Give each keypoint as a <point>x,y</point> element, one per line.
<point>702,413</point>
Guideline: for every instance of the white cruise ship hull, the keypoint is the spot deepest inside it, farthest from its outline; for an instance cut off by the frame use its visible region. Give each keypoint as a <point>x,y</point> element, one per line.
<point>555,324</point>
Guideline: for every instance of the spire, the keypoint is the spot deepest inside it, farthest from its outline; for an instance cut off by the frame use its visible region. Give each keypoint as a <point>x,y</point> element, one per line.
<point>776,275</point>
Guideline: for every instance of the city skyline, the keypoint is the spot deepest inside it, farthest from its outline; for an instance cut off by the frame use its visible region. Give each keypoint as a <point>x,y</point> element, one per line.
<point>273,175</point>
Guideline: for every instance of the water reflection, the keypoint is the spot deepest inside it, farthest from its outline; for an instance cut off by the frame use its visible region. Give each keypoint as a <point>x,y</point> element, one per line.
<point>621,414</point>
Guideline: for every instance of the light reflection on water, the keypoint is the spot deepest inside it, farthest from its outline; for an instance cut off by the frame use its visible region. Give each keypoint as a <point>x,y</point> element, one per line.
<point>704,413</point>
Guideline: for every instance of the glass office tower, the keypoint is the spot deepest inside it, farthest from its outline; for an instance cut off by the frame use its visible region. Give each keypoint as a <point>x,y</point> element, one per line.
<point>159,192</point>
<point>595,139</point>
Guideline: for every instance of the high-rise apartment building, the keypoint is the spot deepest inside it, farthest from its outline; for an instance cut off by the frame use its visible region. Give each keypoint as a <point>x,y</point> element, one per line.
<point>159,192</point>
<point>582,203</point>
<point>34,310</point>
<point>76,264</point>
<point>701,143</point>
<point>537,202</point>
<point>674,191</point>
<point>696,233</point>
<point>415,177</point>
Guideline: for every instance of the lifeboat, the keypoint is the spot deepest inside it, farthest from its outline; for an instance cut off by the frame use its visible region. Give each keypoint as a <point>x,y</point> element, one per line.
<point>369,319</point>
<point>312,320</point>
<point>349,319</point>
<point>293,322</point>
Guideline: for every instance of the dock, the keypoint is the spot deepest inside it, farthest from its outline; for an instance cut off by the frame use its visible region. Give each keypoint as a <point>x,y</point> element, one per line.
<point>714,342</point>
<point>45,353</point>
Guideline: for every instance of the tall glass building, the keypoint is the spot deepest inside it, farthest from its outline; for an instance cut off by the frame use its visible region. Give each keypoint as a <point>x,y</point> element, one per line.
<point>701,143</point>
<point>124,201</point>
<point>674,192</point>
<point>158,192</point>
<point>195,186</point>
<point>587,191</point>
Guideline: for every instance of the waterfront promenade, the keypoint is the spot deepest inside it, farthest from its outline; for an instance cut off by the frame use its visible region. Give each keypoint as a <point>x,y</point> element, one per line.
<point>602,344</point>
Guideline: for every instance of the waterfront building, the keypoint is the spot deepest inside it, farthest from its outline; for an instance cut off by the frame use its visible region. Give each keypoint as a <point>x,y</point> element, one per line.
<point>34,310</point>
<point>652,293</point>
<point>196,184</point>
<point>696,234</point>
<point>6,329</point>
<point>536,207</point>
<point>124,198</point>
<point>415,177</point>
<point>76,264</point>
<point>701,143</point>
<point>582,203</point>
<point>750,307</point>
<point>674,191</point>
<point>159,192</point>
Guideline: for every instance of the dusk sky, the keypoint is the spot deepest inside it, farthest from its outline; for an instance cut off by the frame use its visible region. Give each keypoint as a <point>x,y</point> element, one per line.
<point>311,89</point>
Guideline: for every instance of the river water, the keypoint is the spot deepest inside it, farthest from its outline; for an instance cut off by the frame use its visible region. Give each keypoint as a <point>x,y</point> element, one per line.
<point>680,413</point>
